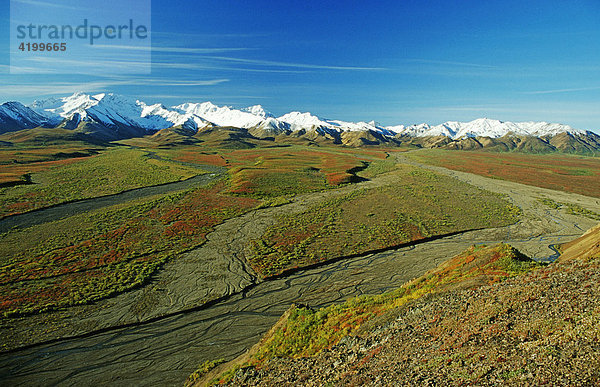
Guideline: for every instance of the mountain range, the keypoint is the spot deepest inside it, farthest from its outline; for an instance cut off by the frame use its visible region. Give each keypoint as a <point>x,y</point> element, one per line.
<point>109,117</point>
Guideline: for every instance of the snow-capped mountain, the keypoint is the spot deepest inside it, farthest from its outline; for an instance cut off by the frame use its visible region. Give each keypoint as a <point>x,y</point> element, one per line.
<point>225,115</point>
<point>16,116</point>
<point>305,121</point>
<point>257,110</point>
<point>60,108</point>
<point>108,109</point>
<point>115,112</point>
<point>484,127</point>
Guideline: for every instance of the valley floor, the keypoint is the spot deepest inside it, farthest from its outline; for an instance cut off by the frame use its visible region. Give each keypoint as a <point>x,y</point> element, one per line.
<point>167,350</point>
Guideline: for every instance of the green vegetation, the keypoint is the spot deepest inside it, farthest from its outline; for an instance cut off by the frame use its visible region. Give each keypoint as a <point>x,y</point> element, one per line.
<point>304,332</point>
<point>378,167</point>
<point>575,209</point>
<point>275,202</point>
<point>421,205</point>
<point>112,171</point>
<point>95,255</point>
<point>18,154</point>
<point>18,162</point>
<point>112,250</point>
<point>307,331</point>
<point>273,172</point>
<point>550,203</point>
<point>284,171</point>
<point>570,208</point>
<point>202,370</point>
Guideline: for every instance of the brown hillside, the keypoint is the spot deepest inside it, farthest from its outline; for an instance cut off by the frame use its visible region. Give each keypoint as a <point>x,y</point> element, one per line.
<point>585,248</point>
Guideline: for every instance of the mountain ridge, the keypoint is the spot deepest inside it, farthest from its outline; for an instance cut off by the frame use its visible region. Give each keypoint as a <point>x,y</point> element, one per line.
<point>114,117</point>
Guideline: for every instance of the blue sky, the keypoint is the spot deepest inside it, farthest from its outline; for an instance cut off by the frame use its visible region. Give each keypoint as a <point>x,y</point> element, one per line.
<point>396,62</point>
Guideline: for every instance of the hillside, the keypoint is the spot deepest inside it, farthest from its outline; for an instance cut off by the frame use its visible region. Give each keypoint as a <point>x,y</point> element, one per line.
<point>488,316</point>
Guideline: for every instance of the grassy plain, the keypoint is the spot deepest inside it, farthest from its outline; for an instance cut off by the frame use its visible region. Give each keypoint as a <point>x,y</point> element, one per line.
<point>421,204</point>
<point>112,171</point>
<point>282,170</point>
<point>563,172</point>
<point>95,255</point>
<point>18,161</point>
<point>570,208</point>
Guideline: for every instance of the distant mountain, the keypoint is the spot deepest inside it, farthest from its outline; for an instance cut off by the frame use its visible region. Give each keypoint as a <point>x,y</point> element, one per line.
<point>113,117</point>
<point>15,116</point>
<point>484,127</point>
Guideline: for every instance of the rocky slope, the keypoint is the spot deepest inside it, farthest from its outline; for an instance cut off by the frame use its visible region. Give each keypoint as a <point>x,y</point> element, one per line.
<point>540,327</point>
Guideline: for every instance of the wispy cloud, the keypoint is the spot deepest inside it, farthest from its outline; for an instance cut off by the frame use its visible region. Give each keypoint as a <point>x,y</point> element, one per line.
<point>295,65</point>
<point>555,91</point>
<point>189,36</point>
<point>203,98</point>
<point>105,66</point>
<point>20,90</point>
<point>24,70</point>
<point>179,50</point>
<point>38,3</point>
<point>17,90</point>
<point>198,66</point>
<point>451,63</point>
<point>156,82</point>
<point>133,65</point>
<point>263,63</point>
<point>92,67</point>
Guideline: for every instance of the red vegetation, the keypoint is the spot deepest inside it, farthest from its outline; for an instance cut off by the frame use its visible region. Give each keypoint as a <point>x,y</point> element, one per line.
<point>12,172</point>
<point>119,258</point>
<point>568,173</point>
<point>278,171</point>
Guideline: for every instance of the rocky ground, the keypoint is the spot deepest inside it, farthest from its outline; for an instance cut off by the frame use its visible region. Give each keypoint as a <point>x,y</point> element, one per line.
<point>542,328</point>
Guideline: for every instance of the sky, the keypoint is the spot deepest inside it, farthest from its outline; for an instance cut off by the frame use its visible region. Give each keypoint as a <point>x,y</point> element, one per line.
<point>395,62</point>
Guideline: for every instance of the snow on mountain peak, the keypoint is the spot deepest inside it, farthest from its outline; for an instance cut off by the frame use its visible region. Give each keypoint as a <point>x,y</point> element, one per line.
<point>13,105</point>
<point>298,120</point>
<point>225,115</point>
<point>16,114</point>
<point>258,111</point>
<point>484,127</point>
<point>114,109</point>
<point>65,107</point>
